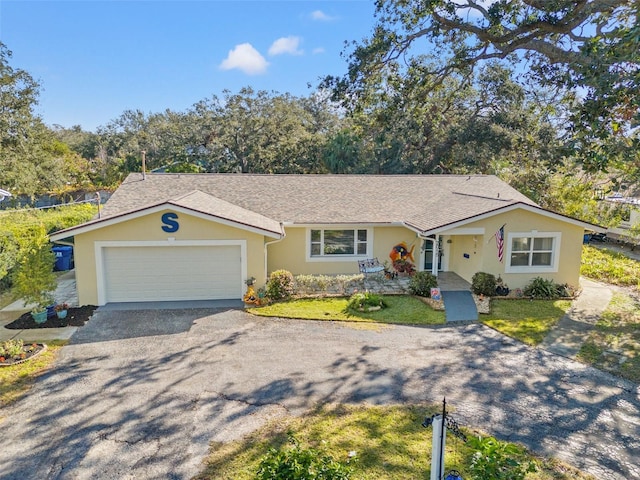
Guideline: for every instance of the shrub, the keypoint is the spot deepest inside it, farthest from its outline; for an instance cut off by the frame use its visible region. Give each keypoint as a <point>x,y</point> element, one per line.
<point>11,348</point>
<point>497,460</point>
<point>421,284</point>
<point>297,463</point>
<point>340,284</point>
<point>34,278</point>
<point>20,232</point>
<point>483,283</point>
<point>361,300</point>
<point>542,288</point>
<point>280,285</point>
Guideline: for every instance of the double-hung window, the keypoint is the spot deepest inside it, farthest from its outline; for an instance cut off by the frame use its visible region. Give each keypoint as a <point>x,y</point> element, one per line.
<point>533,252</point>
<point>336,243</point>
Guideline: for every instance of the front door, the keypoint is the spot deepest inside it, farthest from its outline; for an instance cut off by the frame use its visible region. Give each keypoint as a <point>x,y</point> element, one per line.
<point>428,254</point>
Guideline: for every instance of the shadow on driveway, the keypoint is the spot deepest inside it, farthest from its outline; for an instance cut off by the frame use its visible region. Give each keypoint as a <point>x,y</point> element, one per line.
<point>147,405</point>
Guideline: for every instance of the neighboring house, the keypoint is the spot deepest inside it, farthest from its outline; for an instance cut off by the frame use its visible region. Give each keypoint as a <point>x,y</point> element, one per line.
<point>4,194</point>
<point>200,236</point>
<point>626,232</point>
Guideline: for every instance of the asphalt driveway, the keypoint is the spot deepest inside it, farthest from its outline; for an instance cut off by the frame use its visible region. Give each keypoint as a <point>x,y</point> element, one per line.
<point>139,394</point>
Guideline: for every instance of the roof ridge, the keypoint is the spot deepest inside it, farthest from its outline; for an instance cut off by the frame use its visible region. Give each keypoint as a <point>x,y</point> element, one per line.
<point>486,197</point>
<point>188,194</point>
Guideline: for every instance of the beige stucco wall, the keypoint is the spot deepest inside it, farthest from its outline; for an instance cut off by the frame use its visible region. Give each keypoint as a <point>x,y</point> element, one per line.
<point>461,245</point>
<point>149,228</point>
<point>483,252</point>
<point>290,254</point>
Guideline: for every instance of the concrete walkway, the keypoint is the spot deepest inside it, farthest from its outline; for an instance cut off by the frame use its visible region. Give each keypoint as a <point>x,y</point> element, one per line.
<point>66,292</point>
<point>574,327</point>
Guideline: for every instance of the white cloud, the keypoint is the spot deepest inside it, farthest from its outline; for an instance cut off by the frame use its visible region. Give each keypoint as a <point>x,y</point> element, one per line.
<point>321,16</point>
<point>246,59</point>
<point>286,45</point>
<point>318,50</point>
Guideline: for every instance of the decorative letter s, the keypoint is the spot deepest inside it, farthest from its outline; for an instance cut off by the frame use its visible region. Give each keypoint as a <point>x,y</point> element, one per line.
<point>170,223</point>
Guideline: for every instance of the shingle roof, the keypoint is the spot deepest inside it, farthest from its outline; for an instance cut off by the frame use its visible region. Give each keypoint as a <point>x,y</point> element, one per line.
<point>204,203</point>
<point>422,201</point>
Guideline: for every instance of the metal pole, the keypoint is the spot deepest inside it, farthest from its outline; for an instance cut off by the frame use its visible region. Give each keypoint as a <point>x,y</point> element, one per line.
<point>98,198</point>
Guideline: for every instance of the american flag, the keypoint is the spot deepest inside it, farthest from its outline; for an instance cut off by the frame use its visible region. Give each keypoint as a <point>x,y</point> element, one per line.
<point>500,242</point>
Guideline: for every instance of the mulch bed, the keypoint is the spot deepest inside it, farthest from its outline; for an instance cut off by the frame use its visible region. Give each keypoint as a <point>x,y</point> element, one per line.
<point>76,317</point>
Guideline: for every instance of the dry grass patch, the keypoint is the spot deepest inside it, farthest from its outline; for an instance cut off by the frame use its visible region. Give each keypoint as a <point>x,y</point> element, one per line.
<point>386,443</point>
<point>16,380</point>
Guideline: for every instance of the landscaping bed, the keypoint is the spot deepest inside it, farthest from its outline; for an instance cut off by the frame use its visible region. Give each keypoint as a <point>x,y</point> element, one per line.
<point>21,353</point>
<point>76,317</point>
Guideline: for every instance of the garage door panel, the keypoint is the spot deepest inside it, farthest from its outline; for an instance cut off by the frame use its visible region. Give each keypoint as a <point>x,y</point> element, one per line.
<point>137,274</point>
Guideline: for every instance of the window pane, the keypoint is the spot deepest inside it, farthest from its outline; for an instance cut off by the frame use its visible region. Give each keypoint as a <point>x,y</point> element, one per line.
<point>543,243</point>
<point>315,249</point>
<point>362,249</point>
<point>519,259</point>
<point>541,259</point>
<point>362,235</point>
<point>338,242</point>
<point>315,235</point>
<point>520,244</point>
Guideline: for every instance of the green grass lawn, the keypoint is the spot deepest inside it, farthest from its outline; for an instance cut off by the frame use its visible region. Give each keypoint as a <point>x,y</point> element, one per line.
<point>614,344</point>
<point>389,443</point>
<point>526,320</point>
<point>17,379</point>
<point>400,309</point>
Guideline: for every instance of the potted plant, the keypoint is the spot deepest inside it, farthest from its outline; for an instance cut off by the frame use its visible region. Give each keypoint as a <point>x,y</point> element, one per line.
<point>404,267</point>
<point>34,279</point>
<point>61,310</point>
<point>40,311</point>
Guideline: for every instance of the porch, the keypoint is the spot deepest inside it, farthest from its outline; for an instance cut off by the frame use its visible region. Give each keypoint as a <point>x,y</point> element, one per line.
<point>451,281</point>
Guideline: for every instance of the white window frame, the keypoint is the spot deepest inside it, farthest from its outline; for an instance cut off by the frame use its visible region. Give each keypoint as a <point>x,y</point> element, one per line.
<point>338,258</point>
<point>555,252</point>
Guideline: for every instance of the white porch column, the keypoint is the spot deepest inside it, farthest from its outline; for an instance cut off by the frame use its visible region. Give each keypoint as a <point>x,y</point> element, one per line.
<point>436,255</point>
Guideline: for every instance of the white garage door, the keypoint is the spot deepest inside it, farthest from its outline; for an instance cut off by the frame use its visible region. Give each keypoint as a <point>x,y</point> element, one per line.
<point>145,274</point>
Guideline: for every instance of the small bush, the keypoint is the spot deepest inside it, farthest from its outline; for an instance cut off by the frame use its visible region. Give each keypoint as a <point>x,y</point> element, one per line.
<point>280,285</point>
<point>297,463</point>
<point>365,300</point>
<point>421,284</point>
<point>319,284</point>
<point>483,283</point>
<point>11,348</point>
<point>498,460</point>
<point>542,288</point>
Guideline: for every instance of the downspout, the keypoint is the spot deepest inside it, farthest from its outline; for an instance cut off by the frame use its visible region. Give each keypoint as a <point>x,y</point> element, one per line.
<point>435,252</point>
<point>283,234</point>
<point>434,263</point>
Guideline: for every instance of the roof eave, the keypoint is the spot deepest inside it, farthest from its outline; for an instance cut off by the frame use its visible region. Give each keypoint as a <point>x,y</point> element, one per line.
<point>525,206</point>
<point>132,214</point>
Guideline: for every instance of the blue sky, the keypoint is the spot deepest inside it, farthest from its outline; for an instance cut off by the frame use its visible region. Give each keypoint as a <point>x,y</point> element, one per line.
<point>96,59</point>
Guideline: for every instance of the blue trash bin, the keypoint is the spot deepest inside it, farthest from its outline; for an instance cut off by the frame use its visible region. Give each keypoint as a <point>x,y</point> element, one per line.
<point>63,257</point>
